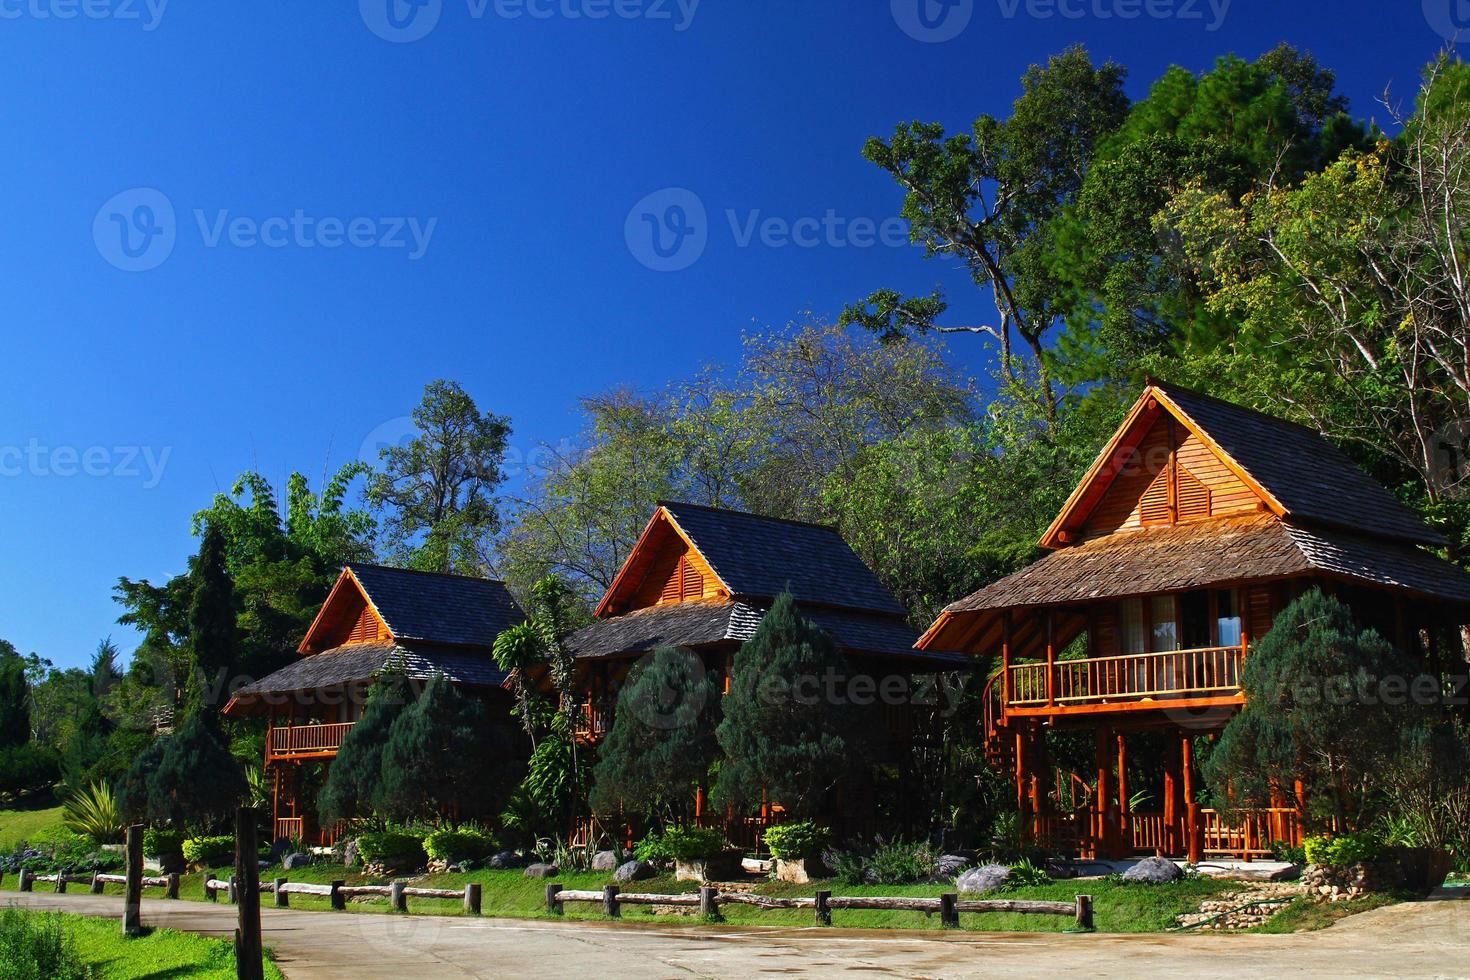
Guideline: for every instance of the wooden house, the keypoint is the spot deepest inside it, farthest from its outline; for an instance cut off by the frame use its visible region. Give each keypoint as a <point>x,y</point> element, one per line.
<point>375,619</point>
<point>1195,526</point>
<point>701,579</point>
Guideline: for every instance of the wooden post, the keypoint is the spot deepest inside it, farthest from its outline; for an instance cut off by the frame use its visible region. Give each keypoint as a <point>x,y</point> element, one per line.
<point>824,911</point>
<point>1171,801</point>
<point>246,886</point>
<point>1084,912</point>
<point>1104,794</point>
<point>1051,660</point>
<point>282,899</point>
<point>133,899</point>
<point>396,898</point>
<point>27,880</point>
<point>61,881</point>
<point>610,902</point>
<point>709,906</point>
<point>172,890</point>
<point>949,913</point>
<point>338,900</point>
<point>1005,660</point>
<point>1191,808</point>
<point>1125,838</point>
<point>553,904</point>
<point>232,890</point>
<point>472,898</point>
<point>96,883</point>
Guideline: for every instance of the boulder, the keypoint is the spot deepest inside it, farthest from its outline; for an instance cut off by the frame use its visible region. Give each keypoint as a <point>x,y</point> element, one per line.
<point>951,866</point>
<point>506,859</point>
<point>635,871</point>
<point>605,861</point>
<point>349,853</point>
<point>1154,871</point>
<point>986,878</point>
<point>279,850</point>
<point>292,862</point>
<point>542,871</point>
<point>1059,869</point>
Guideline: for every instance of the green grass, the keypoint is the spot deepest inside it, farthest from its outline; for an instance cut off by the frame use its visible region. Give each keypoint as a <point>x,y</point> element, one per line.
<point>1304,915</point>
<point>161,953</point>
<point>28,821</point>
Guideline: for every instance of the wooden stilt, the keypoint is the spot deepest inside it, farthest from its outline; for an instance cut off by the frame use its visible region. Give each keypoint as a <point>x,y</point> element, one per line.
<point>1123,813</point>
<point>1103,830</point>
<point>1193,841</point>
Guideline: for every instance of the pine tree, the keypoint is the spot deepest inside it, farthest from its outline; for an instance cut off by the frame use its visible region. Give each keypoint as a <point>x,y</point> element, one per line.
<point>212,631</point>
<point>662,741</point>
<point>782,736</point>
<point>15,698</point>
<point>355,776</point>
<point>198,783</point>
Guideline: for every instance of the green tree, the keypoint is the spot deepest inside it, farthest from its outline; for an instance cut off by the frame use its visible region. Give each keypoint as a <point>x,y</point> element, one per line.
<point>15,698</point>
<point>212,634</point>
<point>439,489</point>
<point>781,735</point>
<point>662,741</point>
<point>198,783</point>
<point>355,776</point>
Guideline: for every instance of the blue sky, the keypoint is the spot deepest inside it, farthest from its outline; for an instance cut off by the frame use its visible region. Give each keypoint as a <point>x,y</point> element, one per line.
<point>356,212</point>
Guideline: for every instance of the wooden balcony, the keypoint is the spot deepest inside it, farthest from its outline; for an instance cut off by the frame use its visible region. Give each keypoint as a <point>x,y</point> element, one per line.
<point>1208,675</point>
<point>305,741</point>
<point>593,721</point>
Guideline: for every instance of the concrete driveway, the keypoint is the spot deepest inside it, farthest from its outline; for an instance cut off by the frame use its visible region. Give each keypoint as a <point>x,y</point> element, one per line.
<point>1423,939</point>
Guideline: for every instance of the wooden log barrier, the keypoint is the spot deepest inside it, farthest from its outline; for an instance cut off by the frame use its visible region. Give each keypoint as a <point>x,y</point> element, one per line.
<point>709,903</point>
<point>610,902</point>
<point>171,887</point>
<point>949,913</point>
<point>97,883</point>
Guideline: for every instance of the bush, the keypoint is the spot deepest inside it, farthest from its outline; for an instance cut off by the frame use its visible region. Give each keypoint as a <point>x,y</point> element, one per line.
<point>797,841</point>
<point>900,863</point>
<point>1026,875</point>
<point>392,847</point>
<point>28,768</point>
<point>682,844</point>
<point>1290,853</point>
<point>849,867</point>
<point>458,846</point>
<point>161,842</point>
<point>1340,852</point>
<point>211,852</point>
<point>36,947</point>
<point>93,812</point>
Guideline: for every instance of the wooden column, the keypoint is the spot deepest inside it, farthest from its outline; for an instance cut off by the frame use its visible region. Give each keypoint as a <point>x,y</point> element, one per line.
<point>1005,660</point>
<point>1023,781</point>
<point>1036,768</point>
<point>1171,800</point>
<point>247,889</point>
<point>1124,834</point>
<point>1192,838</point>
<point>1104,793</point>
<point>1051,659</point>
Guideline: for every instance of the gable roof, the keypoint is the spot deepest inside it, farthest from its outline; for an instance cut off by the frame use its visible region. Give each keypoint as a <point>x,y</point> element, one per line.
<point>1296,471</point>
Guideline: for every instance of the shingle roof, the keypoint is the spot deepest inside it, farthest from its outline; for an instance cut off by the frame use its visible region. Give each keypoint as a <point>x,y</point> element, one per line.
<point>1307,474</point>
<point>362,661</point>
<point>437,608</point>
<point>760,557</point>
<point>710,621</point>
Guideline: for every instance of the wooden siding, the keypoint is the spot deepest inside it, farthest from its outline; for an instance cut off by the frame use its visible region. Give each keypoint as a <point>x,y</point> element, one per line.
<point>677,574</point>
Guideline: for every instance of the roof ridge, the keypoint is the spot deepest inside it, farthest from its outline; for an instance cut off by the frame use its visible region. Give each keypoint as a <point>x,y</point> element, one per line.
<point>1168,387</point>
<point>420,571</point>
<point>746,513</point>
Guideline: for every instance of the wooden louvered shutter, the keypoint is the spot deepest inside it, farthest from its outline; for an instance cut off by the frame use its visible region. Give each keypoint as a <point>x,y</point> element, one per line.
<point>692,583</point>
<point>1194,496</point>
<point>671,591</point>
<point>364,629</point>
<point>1153,507</point>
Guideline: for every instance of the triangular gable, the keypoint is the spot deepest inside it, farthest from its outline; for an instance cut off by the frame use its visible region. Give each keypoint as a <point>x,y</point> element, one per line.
<point>347,616</point>
<point>1160,467</point>
<point>664,566</point>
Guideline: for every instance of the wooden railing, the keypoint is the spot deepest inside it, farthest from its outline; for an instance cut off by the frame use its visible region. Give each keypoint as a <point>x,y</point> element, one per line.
<point>290,828</point>
<point>1148,833</point>
<point>306,740</point>
<point>746,833</point>
<point>1172,673</point>
<point>1251,833</point>
<point>594,720</point>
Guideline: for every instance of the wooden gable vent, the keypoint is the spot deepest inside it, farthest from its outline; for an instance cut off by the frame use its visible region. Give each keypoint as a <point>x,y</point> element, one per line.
<point>365,630</point>
<point>684,582</point>
<point>1190,498</point>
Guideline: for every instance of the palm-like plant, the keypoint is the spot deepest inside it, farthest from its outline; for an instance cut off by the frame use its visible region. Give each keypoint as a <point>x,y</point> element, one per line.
<point>95,813</point>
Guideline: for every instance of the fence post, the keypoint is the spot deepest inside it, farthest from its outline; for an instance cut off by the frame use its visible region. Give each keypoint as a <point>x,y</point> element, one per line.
<point>472,898</point>
<point>96,883</point>
<point>1084,912</point>
<point>133,900</point>
<point>61,881</point>
<point>282,899</point>
<point>232,889</point>
<point>211,894</point>
<point>824,911</point>
<point>26,880</point>
<point>709,907</point>
<point>396,898</point>
<point>173,886</point>
<point>553,905</point>
<point>339,901</point>
<point>949,913</point>
<point>610,902</point>
<point>246,883</point>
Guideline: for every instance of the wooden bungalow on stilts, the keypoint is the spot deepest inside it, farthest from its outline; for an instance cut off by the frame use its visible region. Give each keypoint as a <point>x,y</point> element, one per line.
<point>1195,526</point>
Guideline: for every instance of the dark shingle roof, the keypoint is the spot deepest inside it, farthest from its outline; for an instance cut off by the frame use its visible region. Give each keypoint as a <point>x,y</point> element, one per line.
<point>1307,474</point>
<point>362,661</point>
<point>436,608</point>
<point>760,557</point>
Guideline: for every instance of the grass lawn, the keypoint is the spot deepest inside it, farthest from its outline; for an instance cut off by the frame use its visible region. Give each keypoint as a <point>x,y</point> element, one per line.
<point>1304,916</point>
<point>24,821</point>
<point>161,953</point>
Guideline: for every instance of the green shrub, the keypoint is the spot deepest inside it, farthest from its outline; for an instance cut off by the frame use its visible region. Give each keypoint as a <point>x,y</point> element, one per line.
<point>1339,852</point>
<point>1027,875</point>
<point>1290,853</point>
<point>94,813</point>
<point>211,852</point>
<point>392,847</point>
<point>797,841</point>
<point>458,846</point>
<point>849,867</point>
<point>161,842</point>
<point>900,863</point>
<point>35,946</point>
<point>682,844</point>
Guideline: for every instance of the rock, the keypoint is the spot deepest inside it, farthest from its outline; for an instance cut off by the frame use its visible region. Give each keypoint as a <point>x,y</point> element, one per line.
<point>1060,870</point>
<point>542,871</point>
<point>349,854</point>
<point>605,861</point>
<point>635,871</point>
<point>506,859</point>
<point>294,861</point>
<point>950,865</point>
<point>1154,871</point>
<point>279,850</point>
<point>986,878</point>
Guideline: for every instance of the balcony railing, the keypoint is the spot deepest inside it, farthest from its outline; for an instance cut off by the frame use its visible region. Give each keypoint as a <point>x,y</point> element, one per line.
<point>1247,834</point>
<point>593,720</point>
<point>1251,833</point>
<point>1203,672</point>
<point>305,741</point>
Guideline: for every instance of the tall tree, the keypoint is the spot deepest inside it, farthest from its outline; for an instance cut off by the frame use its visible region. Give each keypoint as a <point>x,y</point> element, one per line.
<point>212,633</point>
<point>355,777</point>
<point>192,781</point>
<point>15,698</point>
<point>439,489</point>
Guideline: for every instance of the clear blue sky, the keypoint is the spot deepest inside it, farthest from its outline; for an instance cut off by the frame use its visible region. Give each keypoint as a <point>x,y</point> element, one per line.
<point>527,141</point>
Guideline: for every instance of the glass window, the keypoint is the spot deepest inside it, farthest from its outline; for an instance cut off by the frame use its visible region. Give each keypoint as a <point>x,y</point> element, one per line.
<point>1165,630</point>
<point>1130,626</point>
<point>1227,604</point>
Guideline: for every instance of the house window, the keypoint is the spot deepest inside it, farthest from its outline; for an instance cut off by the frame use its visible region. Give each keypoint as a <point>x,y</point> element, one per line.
<point>1130,626</point>
<point>1227,623</point>
<point>1165,632</point>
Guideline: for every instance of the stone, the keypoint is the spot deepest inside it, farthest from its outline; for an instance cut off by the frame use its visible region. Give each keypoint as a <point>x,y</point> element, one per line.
<point>986,878</point>
<point>1154,871</point>
<point>1060,870</point>
<point>542,871</point>
<point>950,866</point>
<point>349,854</point>
<point>605,861</point>
<point>506,859</point>
<point>292,862</point>
<point>635,871</point>
<point>279,850</point>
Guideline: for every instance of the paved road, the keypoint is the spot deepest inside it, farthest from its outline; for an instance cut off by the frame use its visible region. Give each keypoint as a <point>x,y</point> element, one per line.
<point>1425,939</point>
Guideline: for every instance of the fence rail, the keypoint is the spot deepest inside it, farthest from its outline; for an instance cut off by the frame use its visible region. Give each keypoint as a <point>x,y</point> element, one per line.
<point>287,741</point>
<point>1169,673</point>
<point>59,881</point>
<point>338,892</point>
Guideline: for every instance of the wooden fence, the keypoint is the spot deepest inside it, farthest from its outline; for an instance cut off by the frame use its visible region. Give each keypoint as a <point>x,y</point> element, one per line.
<point>28,882</point>
<point>708,901</point>
<point>338,892</point>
